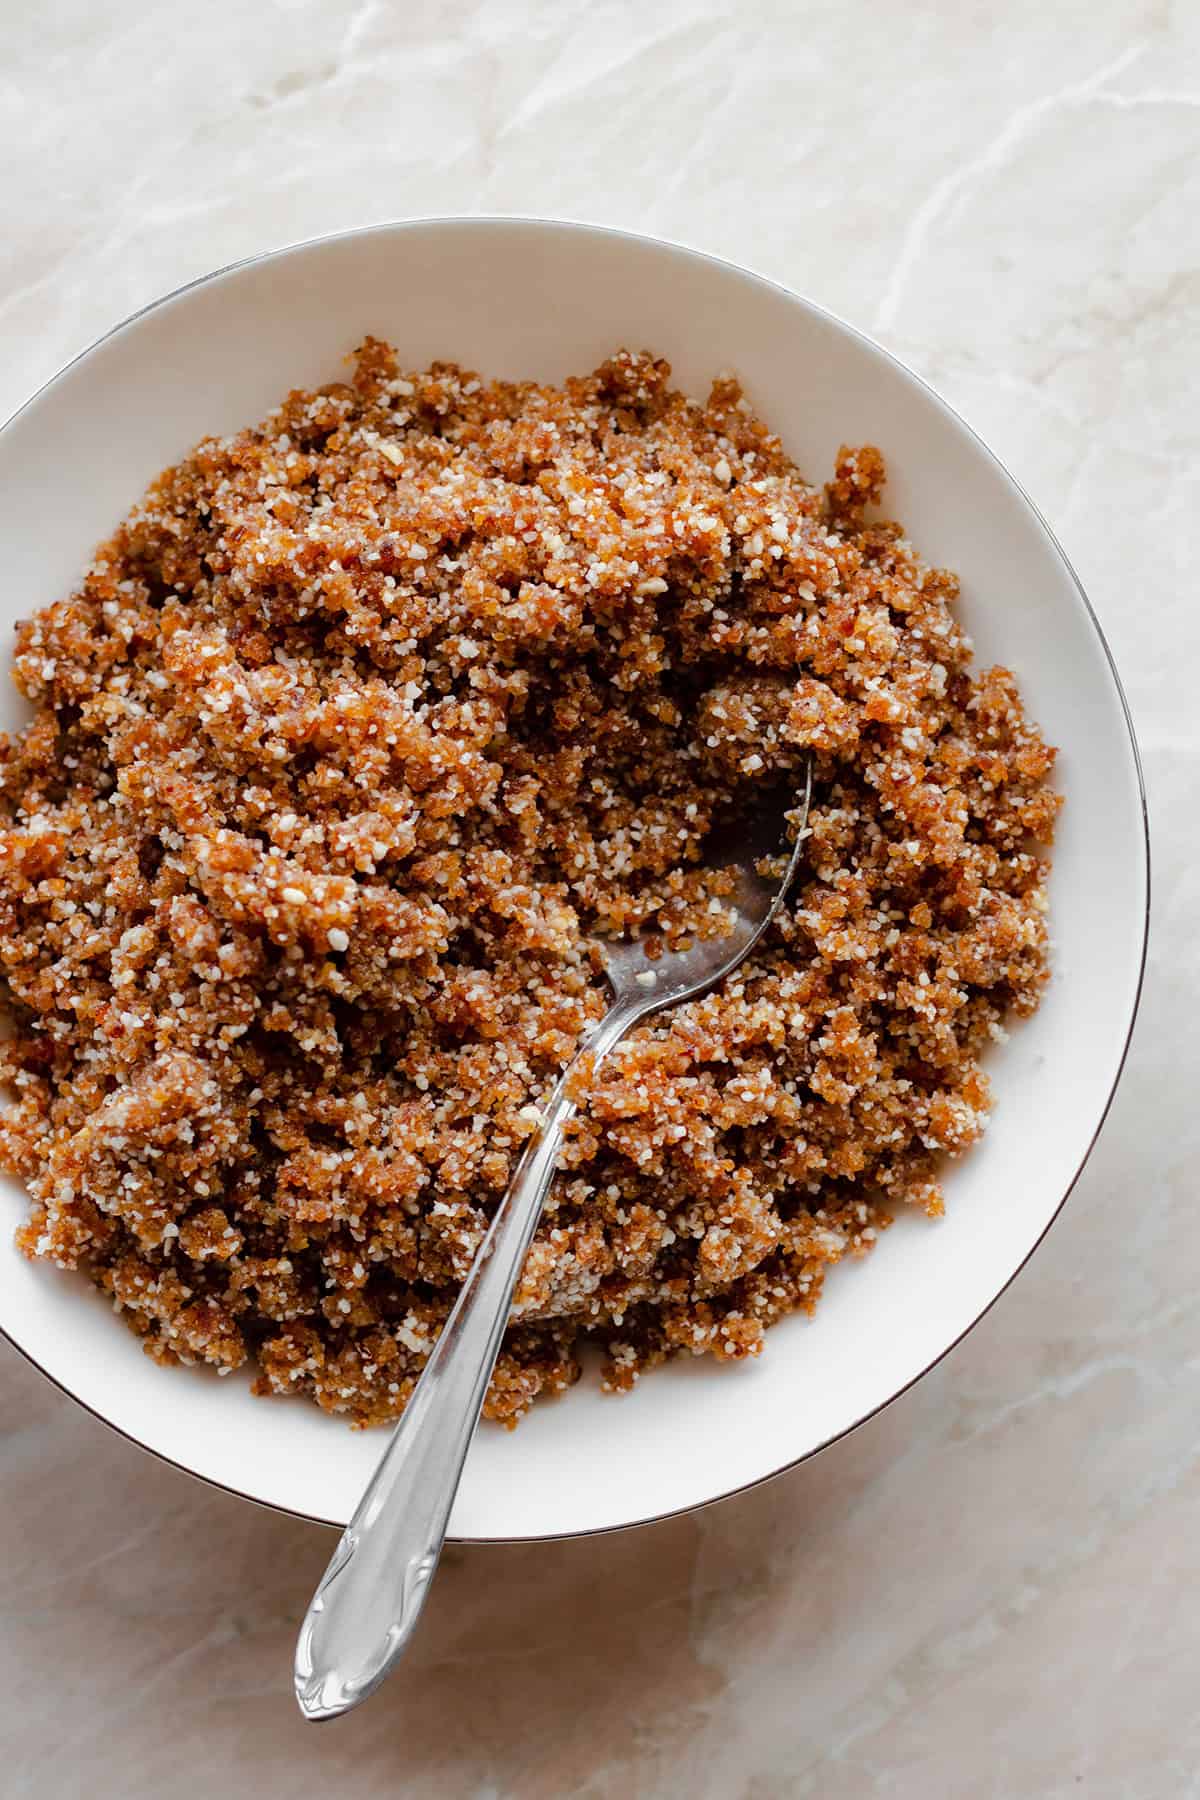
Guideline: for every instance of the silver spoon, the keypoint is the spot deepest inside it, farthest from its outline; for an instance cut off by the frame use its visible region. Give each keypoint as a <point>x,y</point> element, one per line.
<point>370,1597</point>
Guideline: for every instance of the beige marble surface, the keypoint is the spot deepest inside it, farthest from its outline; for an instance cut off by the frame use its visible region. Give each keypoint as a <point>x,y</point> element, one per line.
<point>991,1589</point>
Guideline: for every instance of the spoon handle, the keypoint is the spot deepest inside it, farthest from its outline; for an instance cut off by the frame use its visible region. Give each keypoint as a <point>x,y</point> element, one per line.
<point>370,1597</point>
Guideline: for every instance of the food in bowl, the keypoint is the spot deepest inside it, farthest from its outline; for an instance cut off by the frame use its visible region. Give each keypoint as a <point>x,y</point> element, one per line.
<point>358,729</point>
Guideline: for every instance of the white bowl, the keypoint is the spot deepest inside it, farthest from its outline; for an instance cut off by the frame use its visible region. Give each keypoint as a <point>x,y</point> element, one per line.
<point>528,298</point>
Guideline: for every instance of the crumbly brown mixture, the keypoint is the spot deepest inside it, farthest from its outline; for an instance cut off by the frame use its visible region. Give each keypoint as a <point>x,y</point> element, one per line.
<point>357,728</point>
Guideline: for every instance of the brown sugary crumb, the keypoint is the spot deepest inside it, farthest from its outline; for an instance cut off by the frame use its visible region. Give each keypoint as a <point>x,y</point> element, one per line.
<point>357,730</point>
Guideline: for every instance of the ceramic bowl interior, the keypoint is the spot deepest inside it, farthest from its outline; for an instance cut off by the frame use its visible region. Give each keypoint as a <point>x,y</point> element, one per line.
<point>519,298</point>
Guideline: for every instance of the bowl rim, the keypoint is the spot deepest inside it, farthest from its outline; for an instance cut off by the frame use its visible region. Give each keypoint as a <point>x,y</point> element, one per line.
<point>590,228</point>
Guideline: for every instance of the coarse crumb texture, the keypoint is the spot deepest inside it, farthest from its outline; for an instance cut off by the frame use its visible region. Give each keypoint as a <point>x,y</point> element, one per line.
<point>358,730</point>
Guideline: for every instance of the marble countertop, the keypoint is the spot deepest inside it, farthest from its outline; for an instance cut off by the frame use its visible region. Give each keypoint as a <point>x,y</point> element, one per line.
<point>988,1590</point>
